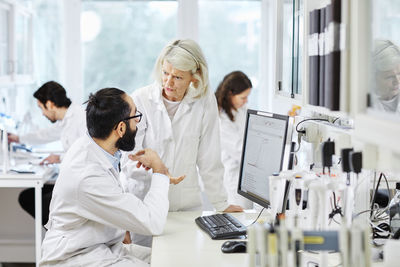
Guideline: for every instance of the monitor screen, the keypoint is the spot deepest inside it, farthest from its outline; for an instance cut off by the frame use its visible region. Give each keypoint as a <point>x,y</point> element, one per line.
<point>266,149</point>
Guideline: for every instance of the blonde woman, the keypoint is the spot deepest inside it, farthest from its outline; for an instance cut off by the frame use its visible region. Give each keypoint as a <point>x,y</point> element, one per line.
<point>232,94</point>
<point>180,122</point>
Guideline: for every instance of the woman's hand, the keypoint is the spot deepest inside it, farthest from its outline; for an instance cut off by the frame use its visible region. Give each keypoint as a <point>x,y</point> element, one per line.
<point>233,208</point>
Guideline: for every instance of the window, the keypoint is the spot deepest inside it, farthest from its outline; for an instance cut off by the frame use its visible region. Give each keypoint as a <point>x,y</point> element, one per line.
<point>385,56</point>
<point>48,40</point>
<point>121,41</point>
<point>289,47</point>
<point>231,40</point>
<point>15,42</point>
<point>23,43</point>
<point>4,39</point>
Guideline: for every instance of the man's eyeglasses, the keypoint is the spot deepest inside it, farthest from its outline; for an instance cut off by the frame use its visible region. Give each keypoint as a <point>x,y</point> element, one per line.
<point>137,115</point>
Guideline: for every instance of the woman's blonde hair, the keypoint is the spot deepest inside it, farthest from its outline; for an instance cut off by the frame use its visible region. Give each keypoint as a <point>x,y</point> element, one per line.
<point>185,55</point>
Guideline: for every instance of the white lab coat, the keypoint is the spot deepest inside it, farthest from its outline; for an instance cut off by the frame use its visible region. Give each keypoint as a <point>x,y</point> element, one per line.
<point>67,130</point>
<point>231,149</point>
<point>89,211</point>
<point>187,145</point>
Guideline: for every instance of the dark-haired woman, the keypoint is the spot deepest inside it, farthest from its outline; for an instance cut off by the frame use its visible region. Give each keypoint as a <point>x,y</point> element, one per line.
<point>232,94</point>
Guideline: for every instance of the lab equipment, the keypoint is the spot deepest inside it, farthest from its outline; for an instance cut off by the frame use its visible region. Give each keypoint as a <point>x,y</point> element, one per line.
<point>221,226</point>
<point>296,200</point>
<point>351,242</point>
<point>276,191</point>
<point>234,247</point>
<point>349,192</point>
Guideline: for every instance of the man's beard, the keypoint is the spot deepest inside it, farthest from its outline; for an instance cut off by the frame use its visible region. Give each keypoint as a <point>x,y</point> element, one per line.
<point>127,142</point>
<point>51,120</point>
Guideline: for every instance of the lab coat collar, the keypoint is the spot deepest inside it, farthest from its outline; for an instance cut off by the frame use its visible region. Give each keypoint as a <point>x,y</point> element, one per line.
<point>184,106</point>
<point>69,113</point>
<point>98,152</point>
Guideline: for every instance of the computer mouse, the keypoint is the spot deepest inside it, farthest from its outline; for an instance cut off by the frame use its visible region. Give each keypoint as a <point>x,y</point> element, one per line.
<point>234,247</point>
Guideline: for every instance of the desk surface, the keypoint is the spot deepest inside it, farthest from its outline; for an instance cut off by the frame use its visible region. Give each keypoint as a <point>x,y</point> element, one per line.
<point>183,243</point>
<point>14,179</point>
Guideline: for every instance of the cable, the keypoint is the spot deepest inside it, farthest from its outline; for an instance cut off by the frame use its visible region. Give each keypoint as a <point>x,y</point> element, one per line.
<point>387,185</point>
<point>312,119</point>
<point>333,122</point>
<point>375,192</point>
<point>257,217</point>
<point>374,198</point>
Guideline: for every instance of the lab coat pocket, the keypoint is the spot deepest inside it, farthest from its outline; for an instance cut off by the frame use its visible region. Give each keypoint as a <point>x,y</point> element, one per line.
<point>189,150</point>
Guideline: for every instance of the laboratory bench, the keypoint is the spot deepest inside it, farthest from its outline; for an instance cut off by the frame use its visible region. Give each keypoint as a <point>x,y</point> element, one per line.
<point>16,240</point>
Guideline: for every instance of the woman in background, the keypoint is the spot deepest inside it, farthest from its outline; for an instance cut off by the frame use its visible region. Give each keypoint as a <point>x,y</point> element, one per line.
<point>232,94</point>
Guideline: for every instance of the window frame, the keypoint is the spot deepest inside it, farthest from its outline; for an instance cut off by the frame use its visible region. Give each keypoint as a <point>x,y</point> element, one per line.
<point>7,78</point>
<point>295,51</point>
<point>12,77</point>
<point>383,129</point>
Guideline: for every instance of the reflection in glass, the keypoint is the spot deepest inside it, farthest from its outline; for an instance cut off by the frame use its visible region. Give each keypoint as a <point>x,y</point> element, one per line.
<point>386,69</point>
<point>385,56</point>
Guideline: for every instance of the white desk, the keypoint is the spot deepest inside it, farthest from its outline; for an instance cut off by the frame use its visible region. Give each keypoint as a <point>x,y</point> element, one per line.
<point>42,174</point>
<point>183,243</point>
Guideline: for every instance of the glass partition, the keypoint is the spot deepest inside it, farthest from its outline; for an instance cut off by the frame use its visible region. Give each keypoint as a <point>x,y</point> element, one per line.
<point>385,57</point>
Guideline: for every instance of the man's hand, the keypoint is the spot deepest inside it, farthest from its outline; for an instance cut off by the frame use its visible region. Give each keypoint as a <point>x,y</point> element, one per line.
<point>51,159</point>
<point>233,208</point>
<point>149,159</point>
<point>13,138</point>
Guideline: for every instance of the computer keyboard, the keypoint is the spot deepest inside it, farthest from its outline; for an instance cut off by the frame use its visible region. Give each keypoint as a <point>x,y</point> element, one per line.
<point>221,226</point>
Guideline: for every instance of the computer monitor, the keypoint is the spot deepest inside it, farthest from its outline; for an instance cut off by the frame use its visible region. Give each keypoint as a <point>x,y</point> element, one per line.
<point>266,150</point>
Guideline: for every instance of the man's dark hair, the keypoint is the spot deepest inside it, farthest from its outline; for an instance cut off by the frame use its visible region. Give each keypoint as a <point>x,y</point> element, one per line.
<point>54,92</point>
<point>105,109</point>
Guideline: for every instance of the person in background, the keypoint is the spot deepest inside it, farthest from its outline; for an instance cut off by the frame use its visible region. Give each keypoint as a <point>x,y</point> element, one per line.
<point>232,94</point>
<point>69,123</point>
<point>386,67</point>
<point>68,120</point>
<point>180,122</point>
<point>89,211</point>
